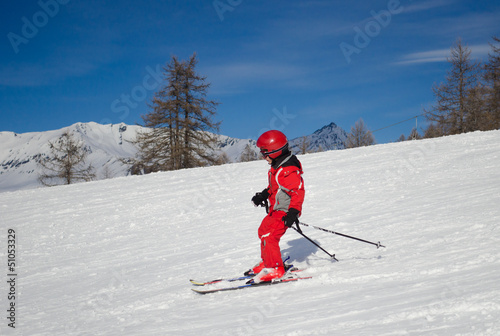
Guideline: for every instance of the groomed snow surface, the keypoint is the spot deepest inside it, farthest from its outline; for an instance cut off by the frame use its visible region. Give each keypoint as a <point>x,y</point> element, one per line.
<point>114,257</point>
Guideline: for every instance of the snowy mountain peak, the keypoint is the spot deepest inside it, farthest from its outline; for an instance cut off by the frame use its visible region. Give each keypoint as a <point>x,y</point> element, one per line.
<point>327,128</point>
<point>329,137</point>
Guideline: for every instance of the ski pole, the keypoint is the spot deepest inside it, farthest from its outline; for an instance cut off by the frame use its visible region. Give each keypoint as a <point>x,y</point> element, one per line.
<point>343,235</point>
<point>322,249</point>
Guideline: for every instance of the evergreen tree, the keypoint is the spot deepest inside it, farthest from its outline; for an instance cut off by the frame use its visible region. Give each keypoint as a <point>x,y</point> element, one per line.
<point>181,123</point>
<point>65,163</point>
<point>453,107</point>
<point>359,136</point>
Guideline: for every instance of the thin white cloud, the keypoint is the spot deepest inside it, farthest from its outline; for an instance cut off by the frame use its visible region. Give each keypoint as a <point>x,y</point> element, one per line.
<point>438,55</point>
<point>441,55</point>
<point>481,50</point>
<point>425,5</point>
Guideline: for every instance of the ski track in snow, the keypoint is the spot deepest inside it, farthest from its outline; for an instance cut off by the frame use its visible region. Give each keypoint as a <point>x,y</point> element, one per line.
<point>114,257</point>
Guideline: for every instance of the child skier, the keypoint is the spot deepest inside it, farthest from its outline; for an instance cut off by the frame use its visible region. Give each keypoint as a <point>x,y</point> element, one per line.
<point>285,193</point>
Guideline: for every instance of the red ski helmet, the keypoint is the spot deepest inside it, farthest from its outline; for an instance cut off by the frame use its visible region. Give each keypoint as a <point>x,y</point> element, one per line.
<point>272,143</point>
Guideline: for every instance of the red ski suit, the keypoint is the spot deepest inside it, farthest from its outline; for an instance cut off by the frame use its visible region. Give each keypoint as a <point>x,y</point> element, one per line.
<point>286,191</point>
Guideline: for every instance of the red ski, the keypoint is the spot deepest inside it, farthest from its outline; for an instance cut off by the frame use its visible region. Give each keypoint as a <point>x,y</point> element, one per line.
<point>247,285</point>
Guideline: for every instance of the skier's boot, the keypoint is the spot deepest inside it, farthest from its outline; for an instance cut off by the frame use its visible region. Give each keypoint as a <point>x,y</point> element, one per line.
<point>269,274</point>
<point>255,270</point>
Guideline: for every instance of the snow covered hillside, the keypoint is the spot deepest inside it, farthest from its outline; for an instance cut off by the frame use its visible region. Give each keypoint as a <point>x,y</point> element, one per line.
<point>114,257</point>
<point>108,145</point>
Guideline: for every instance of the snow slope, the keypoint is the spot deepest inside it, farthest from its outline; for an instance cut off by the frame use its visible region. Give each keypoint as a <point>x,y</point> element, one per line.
<point>114,257</point>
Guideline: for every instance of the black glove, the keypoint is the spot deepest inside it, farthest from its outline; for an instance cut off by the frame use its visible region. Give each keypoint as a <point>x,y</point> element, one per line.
<point>292,217</point>
<point>260,197</point>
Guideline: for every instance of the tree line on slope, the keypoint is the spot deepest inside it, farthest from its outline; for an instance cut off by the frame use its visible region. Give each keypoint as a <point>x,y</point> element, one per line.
<point>468,100</point>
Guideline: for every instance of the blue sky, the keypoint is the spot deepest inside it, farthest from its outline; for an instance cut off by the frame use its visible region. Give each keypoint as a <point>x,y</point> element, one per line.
<point>287,64</point>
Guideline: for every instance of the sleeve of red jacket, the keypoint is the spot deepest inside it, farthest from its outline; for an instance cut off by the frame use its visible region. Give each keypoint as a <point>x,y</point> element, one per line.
<point>291,179</point>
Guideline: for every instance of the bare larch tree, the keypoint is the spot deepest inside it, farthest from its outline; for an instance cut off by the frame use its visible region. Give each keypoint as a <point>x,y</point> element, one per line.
<point>66,162</point>
<point>360,136</point>
<point>181,130</point>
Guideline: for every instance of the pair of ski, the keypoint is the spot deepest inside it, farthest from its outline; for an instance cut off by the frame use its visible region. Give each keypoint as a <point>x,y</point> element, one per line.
<point>288,277</point>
